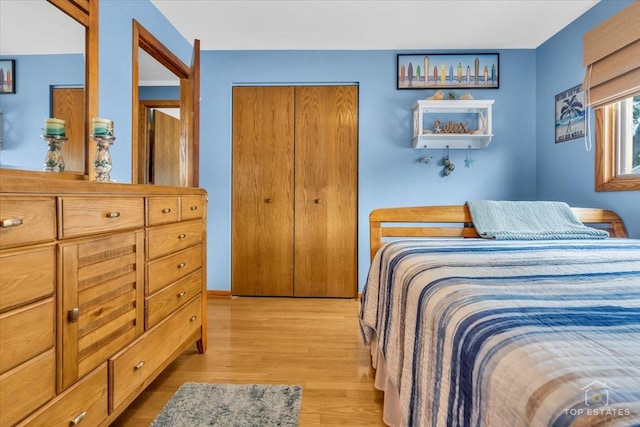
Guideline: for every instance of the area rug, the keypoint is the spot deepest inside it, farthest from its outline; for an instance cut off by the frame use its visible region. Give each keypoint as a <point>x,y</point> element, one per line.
<point>222,405</point>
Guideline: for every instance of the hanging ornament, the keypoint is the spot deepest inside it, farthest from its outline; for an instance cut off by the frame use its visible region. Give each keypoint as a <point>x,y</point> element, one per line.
<point>448,164</point>
<point>468,162</point>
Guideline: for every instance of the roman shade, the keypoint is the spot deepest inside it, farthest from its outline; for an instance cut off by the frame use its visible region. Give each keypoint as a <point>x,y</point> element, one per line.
<point>611,53</point>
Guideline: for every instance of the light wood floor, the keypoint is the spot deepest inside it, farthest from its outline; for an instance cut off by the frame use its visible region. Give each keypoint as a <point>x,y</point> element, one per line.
<point>314,343</point>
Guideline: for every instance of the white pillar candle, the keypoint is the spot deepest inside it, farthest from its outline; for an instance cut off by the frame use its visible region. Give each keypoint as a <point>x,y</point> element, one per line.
<point>102,127</point>
<point>54,127</point>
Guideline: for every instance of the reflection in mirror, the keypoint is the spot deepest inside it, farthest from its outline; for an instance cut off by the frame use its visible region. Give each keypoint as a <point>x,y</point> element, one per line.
<point>49,49</point>
<point>159,121</point>
<point>164,148</point>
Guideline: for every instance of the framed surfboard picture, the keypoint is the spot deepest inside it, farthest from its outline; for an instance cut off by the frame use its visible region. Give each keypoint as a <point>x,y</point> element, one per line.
<point>448,71</point>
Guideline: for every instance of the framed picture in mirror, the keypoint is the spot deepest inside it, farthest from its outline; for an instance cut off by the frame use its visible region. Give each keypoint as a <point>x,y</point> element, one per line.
<point>7,76</point>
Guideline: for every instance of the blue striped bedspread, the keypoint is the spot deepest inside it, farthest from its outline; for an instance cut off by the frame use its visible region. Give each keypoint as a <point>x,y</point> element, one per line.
<point>508,333</point>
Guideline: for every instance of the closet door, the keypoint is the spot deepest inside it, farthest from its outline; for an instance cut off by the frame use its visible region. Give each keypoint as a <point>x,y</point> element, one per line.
<point>262,200</point>
<point>326,158</point>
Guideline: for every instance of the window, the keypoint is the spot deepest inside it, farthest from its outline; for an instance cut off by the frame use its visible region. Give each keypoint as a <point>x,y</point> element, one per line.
<point>612,81</point>
<point>618,145</point>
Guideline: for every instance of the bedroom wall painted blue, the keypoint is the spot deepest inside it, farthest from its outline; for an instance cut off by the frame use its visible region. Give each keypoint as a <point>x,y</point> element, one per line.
<point>115,68</point>
<point>24,112</point>
<point>566,171</point>
<point>389,171</point>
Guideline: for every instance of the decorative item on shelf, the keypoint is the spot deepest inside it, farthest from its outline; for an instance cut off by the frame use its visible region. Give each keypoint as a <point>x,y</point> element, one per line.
<point>426,159</point>
<point>102,127</point>
<point>437,96</point>
<point>54,134</point>
<point>451,127</point>
<point>448,164</point>
<point>103,135</point>
<point>468,162</point>
<point>54,161</point>
<point>452,96</point>
<point>466,97</point>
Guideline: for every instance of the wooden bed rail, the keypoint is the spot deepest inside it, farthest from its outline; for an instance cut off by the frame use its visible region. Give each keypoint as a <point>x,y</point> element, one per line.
<point>455,221</point>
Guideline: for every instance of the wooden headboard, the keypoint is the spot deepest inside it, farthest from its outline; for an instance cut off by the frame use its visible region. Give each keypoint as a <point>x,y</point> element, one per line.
<point>455,221</point>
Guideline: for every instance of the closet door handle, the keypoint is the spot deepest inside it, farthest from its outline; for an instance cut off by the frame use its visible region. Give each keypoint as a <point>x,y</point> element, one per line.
<point>316,201</point>
<point>267,200</point>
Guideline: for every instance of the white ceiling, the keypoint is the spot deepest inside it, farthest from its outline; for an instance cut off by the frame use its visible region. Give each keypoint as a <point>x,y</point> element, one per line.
<point>370,24</point>
<point>35,27</point>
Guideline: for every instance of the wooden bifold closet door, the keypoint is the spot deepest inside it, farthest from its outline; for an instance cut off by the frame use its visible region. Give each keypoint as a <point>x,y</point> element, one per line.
<point>294,197</point>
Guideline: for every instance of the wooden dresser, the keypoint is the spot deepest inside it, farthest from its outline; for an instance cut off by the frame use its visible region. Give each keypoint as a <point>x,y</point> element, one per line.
<point>102,285</point>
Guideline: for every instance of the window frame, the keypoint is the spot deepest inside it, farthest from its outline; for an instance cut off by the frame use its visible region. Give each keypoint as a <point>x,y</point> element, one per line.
<point>606,178</point>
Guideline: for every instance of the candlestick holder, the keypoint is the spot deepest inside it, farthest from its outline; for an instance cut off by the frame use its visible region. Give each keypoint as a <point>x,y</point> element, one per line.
<point>102,163</point>
<point>54,161</point>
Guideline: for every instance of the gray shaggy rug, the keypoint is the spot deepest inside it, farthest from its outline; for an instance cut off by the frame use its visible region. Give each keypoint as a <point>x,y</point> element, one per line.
<point>231,405</point>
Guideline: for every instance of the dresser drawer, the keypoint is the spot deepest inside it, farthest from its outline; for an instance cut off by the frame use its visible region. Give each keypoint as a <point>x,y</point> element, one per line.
<point>191,207</point>
<point>83,215</point>
<point>25,221</point>
<point>172,237</point>
<point>162,210</point>
<point>162,303</point>
<point>26,276</point>
<point>167,270</point>
<point>85,402</point>
<point>25,333</point>
<point>27,387</point>
<point>130,370</point>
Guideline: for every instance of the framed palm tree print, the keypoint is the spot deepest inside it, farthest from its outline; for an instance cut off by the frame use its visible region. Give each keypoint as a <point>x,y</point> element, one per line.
<point>570,114</point>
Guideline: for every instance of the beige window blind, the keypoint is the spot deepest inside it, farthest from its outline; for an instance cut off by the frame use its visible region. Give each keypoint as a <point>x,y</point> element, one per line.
<point>611,53</point>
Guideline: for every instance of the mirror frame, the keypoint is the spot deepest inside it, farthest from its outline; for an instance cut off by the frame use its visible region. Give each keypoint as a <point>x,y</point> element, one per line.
<point>85,12</point>
<point>143,39</point>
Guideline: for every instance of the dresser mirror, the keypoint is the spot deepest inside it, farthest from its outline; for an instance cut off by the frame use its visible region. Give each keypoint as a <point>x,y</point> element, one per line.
<point>55,44</point>
<point>164,107</point>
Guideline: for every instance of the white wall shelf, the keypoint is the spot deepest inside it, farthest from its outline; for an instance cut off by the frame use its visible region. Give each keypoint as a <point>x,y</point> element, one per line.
<point>474,114</point>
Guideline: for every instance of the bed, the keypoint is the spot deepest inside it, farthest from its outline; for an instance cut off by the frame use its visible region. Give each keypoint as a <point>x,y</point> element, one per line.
<point>467,331</point>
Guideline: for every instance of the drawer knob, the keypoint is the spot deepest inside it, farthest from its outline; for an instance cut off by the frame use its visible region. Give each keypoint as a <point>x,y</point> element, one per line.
<point>181,265</point>
<point>76,420</point>
<point>166,210</point>
<point>193,318</point>
<point>182,236</point>
<point>181,294</point>
<point>316,201</point>
<point>268,200</point>
<point>139,365</point>
<point>10,222</point>
<point>114,214</point>
<point>72,315</point>
<point>194,208</point>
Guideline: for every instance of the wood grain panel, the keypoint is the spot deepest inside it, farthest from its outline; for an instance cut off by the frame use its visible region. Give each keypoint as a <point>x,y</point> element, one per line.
<point>167,270</point>
<point>173,237</point>
<point>103,280</point>
<point>89,396</point>
<point>262,199</point>
<point>167,159</point>
<point>68,105</point>
<point>19,285</point>
<point>19,340</point>
<point>81,216</point>
<point>38,376</point>
<point>326,158</point>
<point>26,220</point>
